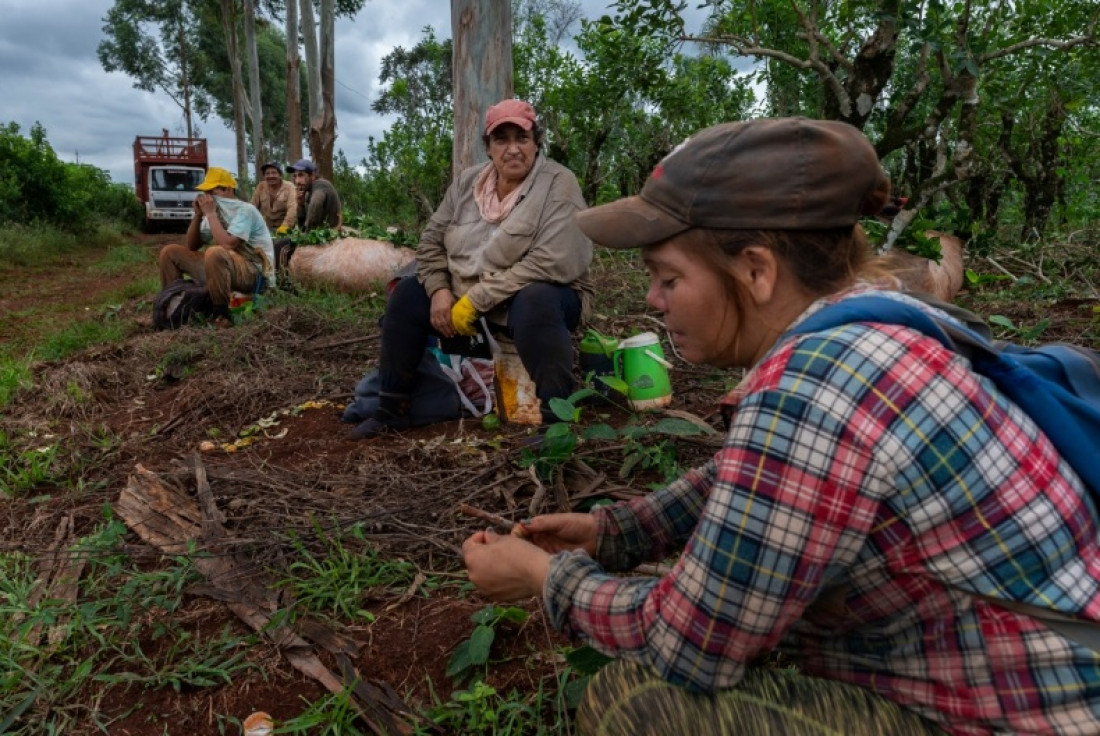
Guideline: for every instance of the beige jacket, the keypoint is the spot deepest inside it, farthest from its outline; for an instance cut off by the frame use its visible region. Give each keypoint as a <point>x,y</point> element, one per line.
<point>278,209</point>
<point>538,241</point>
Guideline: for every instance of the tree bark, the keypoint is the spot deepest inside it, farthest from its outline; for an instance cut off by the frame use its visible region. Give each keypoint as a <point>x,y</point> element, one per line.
<point>313,70</point>
<point>322,130</point>
<point>293,85</point>
<point>254,87</point>
<point>240,103</point>
<point>483,74</point>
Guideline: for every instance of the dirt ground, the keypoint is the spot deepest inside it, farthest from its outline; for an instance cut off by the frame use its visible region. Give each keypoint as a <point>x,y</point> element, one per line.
<point>158,396</point>
<point>155,397</point>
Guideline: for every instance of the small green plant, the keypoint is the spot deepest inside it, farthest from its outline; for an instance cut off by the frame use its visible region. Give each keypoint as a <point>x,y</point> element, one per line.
<point>60,654</point>
<point>911,239</point>
<point>561,438</point>
<point>480,709</point>
<point>1020,332</point>
<point>332,715</point>
<point>975,279</point>
<point>472,655</point>
<point>343,576</point>
<point>21,470</point>
<point>584,662</point>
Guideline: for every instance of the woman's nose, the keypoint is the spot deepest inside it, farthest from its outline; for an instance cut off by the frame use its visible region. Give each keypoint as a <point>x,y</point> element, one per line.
<point>653,297</point>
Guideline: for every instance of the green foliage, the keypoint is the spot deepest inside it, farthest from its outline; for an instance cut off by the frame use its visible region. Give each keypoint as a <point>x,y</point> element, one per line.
<point>340,578</point>
<point>116,632</point>
<point>1020,333</point>
<point>15,375</point>
<point>332,715</point>
<point>645,446</point>
<point>585,662</point>
<point>408,170</point>
<point>22,469</point>
<point>471,656</point>
<point>912,239</point>
<point>37,188</point>
<point>480,709</point>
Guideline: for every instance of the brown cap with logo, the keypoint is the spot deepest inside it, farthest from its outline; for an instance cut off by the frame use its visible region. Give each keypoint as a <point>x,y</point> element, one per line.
<point>768,174</point>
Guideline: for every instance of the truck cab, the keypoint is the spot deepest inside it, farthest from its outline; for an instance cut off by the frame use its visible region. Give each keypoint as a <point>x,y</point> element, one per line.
<point>166,172</point>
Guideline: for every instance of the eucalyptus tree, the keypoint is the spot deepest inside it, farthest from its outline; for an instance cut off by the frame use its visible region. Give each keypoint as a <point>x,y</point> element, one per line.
<point>482,67</point>
<point>154,42</point>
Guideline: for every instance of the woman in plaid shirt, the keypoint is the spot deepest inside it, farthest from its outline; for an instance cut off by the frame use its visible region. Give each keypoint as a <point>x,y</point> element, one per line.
<point>877,513</point>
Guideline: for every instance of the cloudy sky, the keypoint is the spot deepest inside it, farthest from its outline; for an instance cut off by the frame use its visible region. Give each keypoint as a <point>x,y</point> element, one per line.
<point>49,73</point>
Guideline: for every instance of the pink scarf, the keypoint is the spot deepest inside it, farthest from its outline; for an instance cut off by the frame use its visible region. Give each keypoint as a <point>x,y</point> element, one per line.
<point>492,208</point>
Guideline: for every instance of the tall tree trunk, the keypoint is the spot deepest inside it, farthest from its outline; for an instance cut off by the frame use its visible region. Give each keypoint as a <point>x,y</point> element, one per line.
<point>313,69</point>
<point>185,79</point>
<point>293,85</point>
<point>239,100</point>
<point>254,87</point>
<point>322,131</point>
<point>483,74</point>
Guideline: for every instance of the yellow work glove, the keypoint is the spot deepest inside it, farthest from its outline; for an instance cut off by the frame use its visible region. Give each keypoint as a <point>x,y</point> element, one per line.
<point>463,316</point>
<point>282,230</point>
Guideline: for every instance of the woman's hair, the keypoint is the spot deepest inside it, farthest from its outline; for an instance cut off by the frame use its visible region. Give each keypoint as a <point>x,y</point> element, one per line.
<point>536,132</point>
<point>822,261</point>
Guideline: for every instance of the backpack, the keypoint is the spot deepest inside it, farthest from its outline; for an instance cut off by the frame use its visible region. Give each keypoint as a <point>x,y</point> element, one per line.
<point>179,303</point>
<point>1056,384</point>
<point>433,400</point>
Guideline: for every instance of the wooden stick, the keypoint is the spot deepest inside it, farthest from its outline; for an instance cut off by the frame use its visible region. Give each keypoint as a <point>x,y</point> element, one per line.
<point>498,521</point>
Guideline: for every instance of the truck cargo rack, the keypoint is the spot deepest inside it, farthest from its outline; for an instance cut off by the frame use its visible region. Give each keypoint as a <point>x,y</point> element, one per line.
<point>166,150</point>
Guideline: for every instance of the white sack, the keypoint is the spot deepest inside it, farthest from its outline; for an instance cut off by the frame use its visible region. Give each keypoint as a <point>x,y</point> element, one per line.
<point>348,264</point>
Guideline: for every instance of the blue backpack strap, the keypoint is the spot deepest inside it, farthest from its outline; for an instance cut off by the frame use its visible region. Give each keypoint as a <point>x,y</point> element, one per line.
<point>1058,386</point>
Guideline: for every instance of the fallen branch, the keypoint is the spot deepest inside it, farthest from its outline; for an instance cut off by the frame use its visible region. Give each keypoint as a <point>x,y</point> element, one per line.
<point>171,521</point>
<point>503,525</point>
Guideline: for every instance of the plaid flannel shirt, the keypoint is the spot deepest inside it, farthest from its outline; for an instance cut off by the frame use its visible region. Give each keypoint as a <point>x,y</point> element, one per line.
<point>869,480</point>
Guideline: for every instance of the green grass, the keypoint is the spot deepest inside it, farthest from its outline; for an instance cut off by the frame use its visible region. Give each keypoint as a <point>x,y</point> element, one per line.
<point>56,657</point>
<point>338,580</point>
<point>45,245</point>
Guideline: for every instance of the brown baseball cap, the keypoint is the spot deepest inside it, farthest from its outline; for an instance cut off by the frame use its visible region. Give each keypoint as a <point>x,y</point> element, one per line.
<point>767,174</point>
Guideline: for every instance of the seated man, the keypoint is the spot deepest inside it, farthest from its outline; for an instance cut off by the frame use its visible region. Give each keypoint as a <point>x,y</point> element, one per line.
<point>318,207</point>
<point>276,199</point>
<point>240,256</point>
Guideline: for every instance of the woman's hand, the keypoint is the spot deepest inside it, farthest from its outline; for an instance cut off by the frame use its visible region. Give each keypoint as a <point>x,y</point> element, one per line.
<point>442,301</point>
<point>558,532</point>
<point>505,567</point>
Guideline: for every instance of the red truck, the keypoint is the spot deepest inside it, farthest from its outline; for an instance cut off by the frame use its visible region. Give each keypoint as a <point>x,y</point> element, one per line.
<point>166,172</point>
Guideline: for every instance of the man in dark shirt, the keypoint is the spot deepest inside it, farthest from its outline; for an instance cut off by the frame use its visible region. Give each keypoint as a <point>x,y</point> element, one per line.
<point>318,202</point>
<point>318,207</point>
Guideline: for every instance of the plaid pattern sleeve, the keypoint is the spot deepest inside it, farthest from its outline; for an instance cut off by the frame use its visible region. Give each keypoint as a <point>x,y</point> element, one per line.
<point>868,484</point>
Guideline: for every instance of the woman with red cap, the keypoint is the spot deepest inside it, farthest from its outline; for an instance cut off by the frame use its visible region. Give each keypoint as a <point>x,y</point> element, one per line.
<point>504,244</point>
<point>880,516</point>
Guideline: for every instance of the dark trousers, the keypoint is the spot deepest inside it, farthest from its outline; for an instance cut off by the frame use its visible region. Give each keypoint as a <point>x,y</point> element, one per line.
<point>541,318</point>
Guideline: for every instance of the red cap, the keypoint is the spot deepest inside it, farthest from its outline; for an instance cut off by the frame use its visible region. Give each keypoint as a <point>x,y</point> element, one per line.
<point>516,112</point>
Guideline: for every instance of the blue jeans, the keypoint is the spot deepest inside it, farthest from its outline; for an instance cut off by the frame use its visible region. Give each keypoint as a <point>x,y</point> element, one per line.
<point>541,318</point>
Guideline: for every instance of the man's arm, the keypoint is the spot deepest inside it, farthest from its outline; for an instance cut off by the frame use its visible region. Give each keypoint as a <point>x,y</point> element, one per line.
<point>217,229</point>
<point>194,235</point>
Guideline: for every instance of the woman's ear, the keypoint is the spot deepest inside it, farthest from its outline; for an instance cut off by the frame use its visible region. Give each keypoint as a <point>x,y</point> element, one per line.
<point>757,269</point>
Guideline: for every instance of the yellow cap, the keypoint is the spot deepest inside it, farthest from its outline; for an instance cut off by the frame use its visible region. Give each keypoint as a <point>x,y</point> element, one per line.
<point>217,177</point>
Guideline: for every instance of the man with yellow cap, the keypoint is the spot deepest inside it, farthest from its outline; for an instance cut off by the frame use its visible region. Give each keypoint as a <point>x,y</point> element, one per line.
<point>239,255</point>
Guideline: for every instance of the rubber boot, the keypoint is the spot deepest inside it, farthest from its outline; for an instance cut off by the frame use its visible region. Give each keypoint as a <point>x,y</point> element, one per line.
<point>392,415</point>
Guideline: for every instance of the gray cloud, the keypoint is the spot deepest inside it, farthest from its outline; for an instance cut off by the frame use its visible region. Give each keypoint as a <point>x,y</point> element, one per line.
<point>50,74</point>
